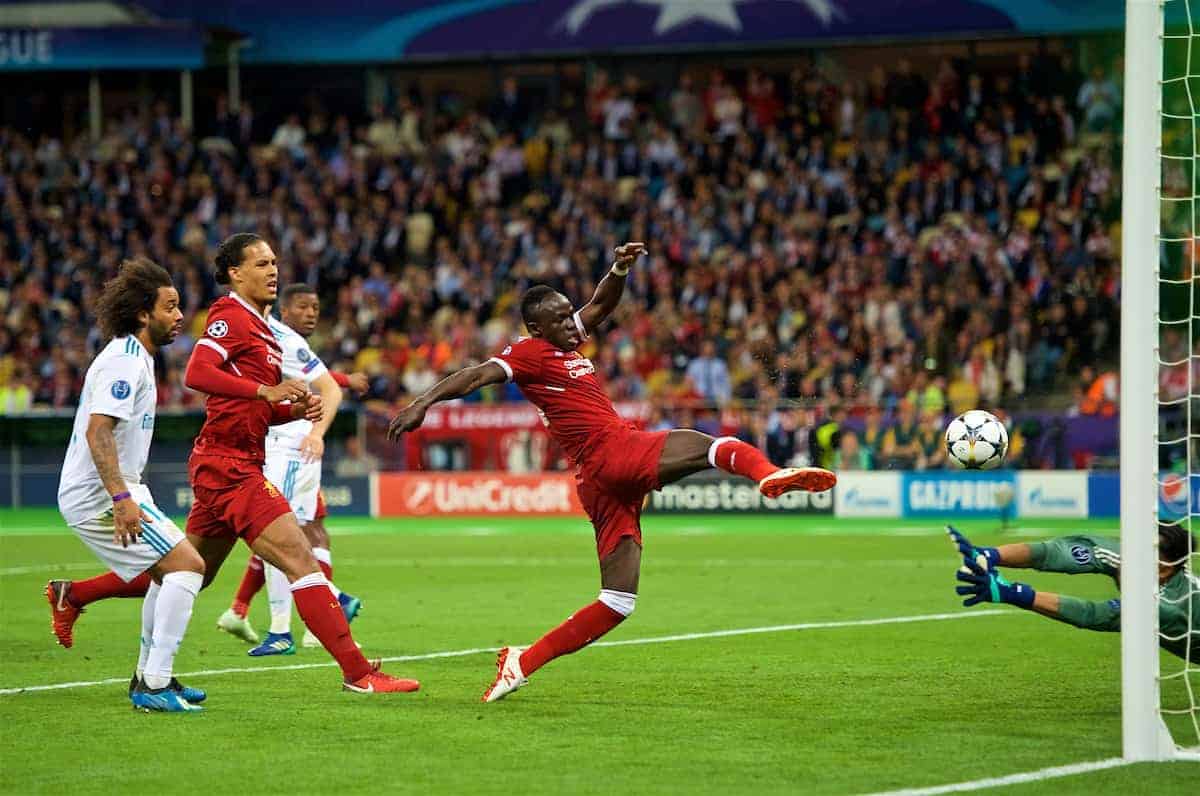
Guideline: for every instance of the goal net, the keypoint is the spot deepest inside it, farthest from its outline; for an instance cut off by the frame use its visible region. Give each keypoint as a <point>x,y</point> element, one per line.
<point>1161,687</point>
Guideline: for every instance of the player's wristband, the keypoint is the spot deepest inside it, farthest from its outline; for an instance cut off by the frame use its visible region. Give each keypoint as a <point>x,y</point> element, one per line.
<point>117,498</point>
<point>619,271</point>
<point>1003,591</point>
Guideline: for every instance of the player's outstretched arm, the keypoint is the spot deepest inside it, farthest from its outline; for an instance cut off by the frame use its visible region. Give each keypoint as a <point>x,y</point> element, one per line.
<point>1007,555</point>
<point>608,292</point>
<point>980,585</point>
<point>456,385</point>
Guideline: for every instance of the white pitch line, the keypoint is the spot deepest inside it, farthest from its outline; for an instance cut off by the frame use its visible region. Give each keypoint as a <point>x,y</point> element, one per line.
<point>542,561</point>
<point>746,631</point>
<point>33,570</point>
<point>1011,779</point>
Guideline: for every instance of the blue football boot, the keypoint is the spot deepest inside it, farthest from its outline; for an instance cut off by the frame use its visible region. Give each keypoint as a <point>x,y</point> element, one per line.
<point>274,644</point>
<point>350,606</point>
<point>161,700</point>
<point>193,695</point>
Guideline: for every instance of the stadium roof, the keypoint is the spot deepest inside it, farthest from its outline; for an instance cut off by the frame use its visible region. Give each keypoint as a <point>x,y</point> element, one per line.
<point>39,36</point>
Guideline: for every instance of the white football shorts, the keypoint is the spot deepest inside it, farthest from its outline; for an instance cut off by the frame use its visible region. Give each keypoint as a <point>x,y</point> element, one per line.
<point>297,480</point>
<point>158,537</point>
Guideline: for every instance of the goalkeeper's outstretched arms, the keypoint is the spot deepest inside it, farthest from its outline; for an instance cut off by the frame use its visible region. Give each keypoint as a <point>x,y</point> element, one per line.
<point>1071,555</point>
<point>1178,625</point>
<point>980,585</point>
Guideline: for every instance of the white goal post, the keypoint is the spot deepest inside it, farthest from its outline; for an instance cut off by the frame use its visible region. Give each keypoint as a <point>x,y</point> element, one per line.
<point>1144,734</point>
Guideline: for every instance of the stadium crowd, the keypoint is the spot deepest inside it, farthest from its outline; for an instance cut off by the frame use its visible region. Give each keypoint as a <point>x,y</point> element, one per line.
<point>906,242</point>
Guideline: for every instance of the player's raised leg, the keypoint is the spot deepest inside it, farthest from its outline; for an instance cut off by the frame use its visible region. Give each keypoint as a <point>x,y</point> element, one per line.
<point>235,621</point>
<point>68,598</point>
<point>688,451</point>
<point>282,544</point>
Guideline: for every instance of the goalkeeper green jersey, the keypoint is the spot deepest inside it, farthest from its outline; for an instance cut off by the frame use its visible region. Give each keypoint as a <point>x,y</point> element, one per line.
<point>1178,598</point>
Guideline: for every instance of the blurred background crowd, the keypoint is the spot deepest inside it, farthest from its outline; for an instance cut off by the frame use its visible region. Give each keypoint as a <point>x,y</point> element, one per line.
<point>827,247</point>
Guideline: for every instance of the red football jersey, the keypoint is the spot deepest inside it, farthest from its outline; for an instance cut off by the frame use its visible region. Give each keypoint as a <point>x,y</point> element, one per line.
<point>564,387</point>
<point>237,427</point>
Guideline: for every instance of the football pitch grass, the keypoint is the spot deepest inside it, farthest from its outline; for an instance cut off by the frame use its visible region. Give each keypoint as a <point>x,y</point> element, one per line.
<point>831,704</point>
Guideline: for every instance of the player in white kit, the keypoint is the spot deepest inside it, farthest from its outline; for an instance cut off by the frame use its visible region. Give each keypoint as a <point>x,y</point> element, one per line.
<point>101,494</point>
<point>294,452</point>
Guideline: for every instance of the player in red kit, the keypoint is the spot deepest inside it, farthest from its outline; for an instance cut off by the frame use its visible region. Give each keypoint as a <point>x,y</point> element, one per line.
<point>616,464</point>
<point>237,363</point>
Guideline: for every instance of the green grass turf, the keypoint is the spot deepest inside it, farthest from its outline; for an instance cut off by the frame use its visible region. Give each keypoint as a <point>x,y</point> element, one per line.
<point>832,710</point>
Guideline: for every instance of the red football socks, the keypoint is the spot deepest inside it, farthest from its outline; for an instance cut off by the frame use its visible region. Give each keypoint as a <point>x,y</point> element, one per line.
<point>740,458</point>
<point>581,628</point>
<point>252,580</point>
<point>107,585</point>
<point>321,612</point>
<point>326,570</point>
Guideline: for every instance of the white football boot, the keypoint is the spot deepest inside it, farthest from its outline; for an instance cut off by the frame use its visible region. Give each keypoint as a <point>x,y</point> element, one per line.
<point>509,676</point>
<point>238,626</point>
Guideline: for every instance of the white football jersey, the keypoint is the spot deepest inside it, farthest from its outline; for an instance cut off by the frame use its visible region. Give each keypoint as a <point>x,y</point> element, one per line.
<point>119,383</point>
<point>299,362</point>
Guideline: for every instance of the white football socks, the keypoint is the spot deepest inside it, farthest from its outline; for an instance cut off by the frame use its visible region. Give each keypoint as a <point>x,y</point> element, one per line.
<point>172,612</point>
<point>147,637</point>
<point>325,556</point>
<point>279,597</point>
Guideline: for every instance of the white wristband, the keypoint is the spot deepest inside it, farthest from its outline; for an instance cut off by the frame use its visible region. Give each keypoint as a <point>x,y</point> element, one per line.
<point>619,271</point>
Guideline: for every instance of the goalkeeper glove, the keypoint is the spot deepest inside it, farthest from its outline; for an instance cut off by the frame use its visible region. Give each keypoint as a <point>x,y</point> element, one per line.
<point>969,552</point>
<point>989,586</point>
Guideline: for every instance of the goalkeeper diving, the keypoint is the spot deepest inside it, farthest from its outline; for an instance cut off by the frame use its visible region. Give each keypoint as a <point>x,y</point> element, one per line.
<point>980,581</point>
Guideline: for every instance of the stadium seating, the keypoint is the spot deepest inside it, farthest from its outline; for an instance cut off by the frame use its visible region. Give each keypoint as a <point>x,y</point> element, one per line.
<point>936,241</point>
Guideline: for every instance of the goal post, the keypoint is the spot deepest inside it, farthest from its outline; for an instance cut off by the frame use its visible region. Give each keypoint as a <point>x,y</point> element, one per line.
<point>1159,202</point>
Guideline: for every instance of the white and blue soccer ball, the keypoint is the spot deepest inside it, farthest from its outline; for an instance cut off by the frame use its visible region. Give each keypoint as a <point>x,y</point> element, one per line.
<point>977,440</point>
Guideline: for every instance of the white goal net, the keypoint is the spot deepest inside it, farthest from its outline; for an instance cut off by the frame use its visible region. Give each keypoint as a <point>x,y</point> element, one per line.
<point>1175,674</point>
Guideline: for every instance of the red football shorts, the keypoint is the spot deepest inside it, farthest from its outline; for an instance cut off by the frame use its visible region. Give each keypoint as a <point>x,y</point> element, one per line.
<point>613,480</point>
<point>233,498</point>
<point>321,512</point>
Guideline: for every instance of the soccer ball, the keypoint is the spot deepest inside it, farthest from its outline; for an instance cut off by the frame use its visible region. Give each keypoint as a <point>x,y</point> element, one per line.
<point>976,440</point>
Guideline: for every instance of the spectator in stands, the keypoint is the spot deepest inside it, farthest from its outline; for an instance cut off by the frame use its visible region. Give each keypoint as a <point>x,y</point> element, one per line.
<point>290,136</point>
<point>901,446</point>
<point>1099,99</point>
<point>1101,392</point>
<point>850,455</point>
<point>823,236</point>
<point>710,375</point>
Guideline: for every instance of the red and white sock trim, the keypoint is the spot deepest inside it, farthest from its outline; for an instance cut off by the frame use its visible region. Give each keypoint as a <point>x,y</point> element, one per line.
<point>309,581</point>
<point>712,449</point>
<point>622,602</point>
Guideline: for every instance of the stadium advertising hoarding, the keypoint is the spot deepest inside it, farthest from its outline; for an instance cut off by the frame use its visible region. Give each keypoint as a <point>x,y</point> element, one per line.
<point>713,492</point>
<point>1052,494</point>
<point>343,496</point>
<point>864,494</point>
<point>1104,495</point>
<point>474,494</point>
<point>946,493</point>
<point>286,31</point>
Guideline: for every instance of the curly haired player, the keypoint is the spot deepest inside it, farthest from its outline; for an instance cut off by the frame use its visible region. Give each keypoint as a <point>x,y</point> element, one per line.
<point>101,494</point>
